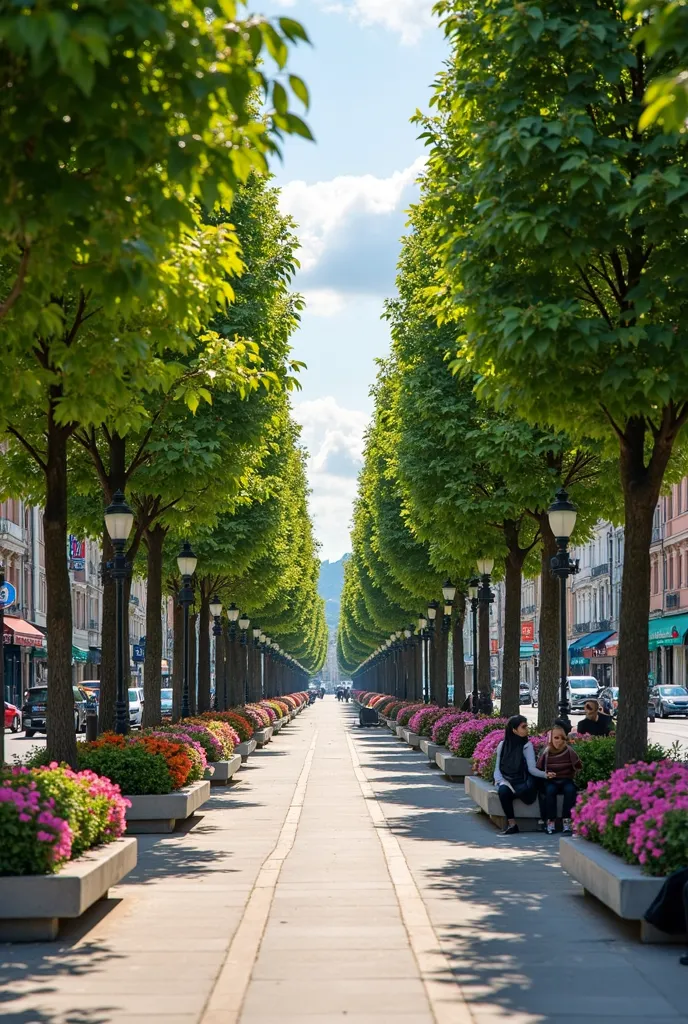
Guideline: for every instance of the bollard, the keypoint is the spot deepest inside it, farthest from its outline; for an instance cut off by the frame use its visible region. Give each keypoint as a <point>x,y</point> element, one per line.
<point>91,726</point>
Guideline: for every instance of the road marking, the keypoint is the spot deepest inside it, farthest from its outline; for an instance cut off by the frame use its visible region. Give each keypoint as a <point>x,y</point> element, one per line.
<point>446,998</point>
<point>227,997</point>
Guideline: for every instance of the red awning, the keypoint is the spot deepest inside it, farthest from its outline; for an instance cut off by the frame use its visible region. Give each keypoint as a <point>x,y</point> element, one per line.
<point>19,631</point>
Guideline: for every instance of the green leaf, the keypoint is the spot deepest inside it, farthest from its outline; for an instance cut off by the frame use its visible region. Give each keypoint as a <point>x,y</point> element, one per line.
<point>300,89</point>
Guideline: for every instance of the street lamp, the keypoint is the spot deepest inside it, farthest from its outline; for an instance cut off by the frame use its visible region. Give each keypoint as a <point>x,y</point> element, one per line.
<point>562,519</point>
<point>486,598</point>
<point>473,594</point>
<point>448,593</point>
<point>216,612</point>
<point>119,520</point>
<point>244,623</point>
<point>186,563</point>
<point>256,660</point>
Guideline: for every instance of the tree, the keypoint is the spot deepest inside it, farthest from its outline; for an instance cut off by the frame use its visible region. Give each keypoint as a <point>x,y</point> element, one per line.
<point>662,29</point>
<point>560,229</point>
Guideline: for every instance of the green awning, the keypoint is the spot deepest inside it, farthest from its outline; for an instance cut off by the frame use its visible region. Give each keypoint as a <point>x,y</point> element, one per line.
<point>527,651</point>
<point>79,654</point>
<point>668,631</point>
<point>589,640</point>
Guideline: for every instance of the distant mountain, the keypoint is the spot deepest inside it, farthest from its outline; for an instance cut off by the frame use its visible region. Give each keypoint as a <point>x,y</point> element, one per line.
<point>330,587</point>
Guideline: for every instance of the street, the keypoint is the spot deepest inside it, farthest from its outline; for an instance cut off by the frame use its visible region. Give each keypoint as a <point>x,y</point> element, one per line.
<point>671,730</point>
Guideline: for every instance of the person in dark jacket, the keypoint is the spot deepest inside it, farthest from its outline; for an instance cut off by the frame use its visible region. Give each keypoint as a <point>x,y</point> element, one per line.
<point>516,772</point>
<point>594,723</point>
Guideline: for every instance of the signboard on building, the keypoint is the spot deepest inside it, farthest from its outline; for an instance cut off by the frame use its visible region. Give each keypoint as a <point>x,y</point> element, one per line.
<point>77,554</point>
<point>494,646</point>
<point>139,652</point>
<point>527,632</point>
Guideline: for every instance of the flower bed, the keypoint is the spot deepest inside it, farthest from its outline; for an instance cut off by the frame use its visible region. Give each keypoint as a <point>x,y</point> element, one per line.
<point>258,715</point>
<point>239,721</point>
<point>443,725</point>
<point>51,814</point>
<point>640,814</point>
<point>465,737</point>
<point>423,720</point>
<point>406,713</point>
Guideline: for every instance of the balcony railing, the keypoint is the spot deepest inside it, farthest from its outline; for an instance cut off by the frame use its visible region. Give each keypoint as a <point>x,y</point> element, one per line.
<point>528,609</point>
<point>673,600</point>
<point>600,570</point>
<point>10,529</point>
<point>581,627</point>
<point>599,625</point>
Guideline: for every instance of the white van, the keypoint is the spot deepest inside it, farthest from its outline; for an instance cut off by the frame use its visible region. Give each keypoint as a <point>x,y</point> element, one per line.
<point>581,688</point>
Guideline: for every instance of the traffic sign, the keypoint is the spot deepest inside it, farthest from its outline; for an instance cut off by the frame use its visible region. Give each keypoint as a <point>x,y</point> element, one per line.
<point>8,595</point>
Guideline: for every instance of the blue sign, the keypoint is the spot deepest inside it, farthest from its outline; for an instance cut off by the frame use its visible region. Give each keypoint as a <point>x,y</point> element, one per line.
<point>139,652</point>
<point>8,595</point>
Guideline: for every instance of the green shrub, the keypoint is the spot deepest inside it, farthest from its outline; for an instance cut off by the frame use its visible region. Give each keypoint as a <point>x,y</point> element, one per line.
<point>136,771</point>
<point>598,757</point>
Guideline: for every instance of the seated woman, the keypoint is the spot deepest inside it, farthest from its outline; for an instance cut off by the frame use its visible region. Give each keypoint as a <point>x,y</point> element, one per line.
<point>516,771</point>
<point>560,762</point>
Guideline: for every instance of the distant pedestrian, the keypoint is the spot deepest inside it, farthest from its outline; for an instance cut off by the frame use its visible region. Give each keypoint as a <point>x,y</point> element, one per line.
<point>560,762</point>
<point>516,772</point>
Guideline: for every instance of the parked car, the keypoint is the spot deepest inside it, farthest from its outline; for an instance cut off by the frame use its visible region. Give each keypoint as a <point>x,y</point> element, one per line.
<point>534,694</point>
<point>609,701</point>
<point>669,700</point>
<point>35,710</point>
<point>581,688</point>
<point>525,696</point>
<point>12,717</point>
<point>135,707</point>
<point>166,700</point>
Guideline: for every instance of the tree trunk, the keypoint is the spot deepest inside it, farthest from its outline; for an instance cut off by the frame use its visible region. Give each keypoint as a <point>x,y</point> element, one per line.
<point>442,656</point>
<point>152,668</point>
<point>418,668</point>
<point>484,683</point>
<point>204,650</point>
<point>548,690</point>
<point>178,663</point>
<point>513,565</point>
<point>458,651</point>
<point>193,663</point>
<point>641,487</point>
<point>61,739</point>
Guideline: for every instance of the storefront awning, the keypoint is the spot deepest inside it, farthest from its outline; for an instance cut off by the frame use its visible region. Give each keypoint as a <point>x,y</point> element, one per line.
<point>527,651</point>
<point>606,649</point>
<point>19,631</point>
<point>79,654</point>
<point>668,631</point>
<point>577,647</point>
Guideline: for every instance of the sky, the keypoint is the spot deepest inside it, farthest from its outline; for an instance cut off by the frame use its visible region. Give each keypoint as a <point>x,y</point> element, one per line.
<point>371,66</point>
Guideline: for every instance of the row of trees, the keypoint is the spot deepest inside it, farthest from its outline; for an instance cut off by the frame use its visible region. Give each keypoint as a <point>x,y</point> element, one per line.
<point>145,314</point>
<point>539,332</point>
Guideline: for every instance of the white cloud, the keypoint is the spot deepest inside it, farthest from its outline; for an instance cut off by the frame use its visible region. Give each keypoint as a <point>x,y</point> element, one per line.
<point>407,18</point>
<point>334,438</point>
<point>322,210</point>
<point>324,301</point>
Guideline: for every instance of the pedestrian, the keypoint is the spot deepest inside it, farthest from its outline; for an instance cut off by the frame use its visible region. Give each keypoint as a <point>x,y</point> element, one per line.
<point>516,772</point>
<point>560,762</point>
<point>594,723</point>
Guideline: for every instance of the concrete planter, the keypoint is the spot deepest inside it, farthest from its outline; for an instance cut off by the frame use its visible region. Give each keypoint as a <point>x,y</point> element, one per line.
<point>392,725</point>
<point>431,750</point>
<point>245,749</point>
<point>31,906</point>
<point>412,738</point>
<point>278,724</point>
<point>621,887</point>
<point>454,767</point>
<point>263,736</point>
<point>223,770</point>
<point>484,794</point>
<point>161,813</point>
<point>399,730</point>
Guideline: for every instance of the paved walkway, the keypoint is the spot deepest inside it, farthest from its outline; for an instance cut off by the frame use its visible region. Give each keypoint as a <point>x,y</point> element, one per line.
<point>342,879</point>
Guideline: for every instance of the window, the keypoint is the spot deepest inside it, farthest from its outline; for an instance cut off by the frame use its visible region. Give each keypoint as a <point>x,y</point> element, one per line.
<point>655,577</point>
<point>664,572</point>
<point>670,561</point>
<point>679,568</point>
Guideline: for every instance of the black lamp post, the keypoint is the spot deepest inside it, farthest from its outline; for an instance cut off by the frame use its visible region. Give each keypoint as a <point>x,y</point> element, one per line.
<point>216,612</point>
<point>562,519</point>
<point>119,520</point>
<point>432,616</point>
<point>486,598</point>
<point>448,593</point>
<point>262,645</point>
<point>244,623</point>
<point>255,659</point>
<point>473,594</point>
<point>422,626</point>
<point>186,562</point>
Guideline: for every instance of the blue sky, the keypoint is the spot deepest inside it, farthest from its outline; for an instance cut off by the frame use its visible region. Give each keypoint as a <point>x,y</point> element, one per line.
<point>372,64</point>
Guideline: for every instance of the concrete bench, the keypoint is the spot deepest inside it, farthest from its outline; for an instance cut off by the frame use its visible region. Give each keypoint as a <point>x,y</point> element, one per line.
<point>484,794</point>
<point>32,906</point>
<point>160,812</point>
<point>412,738</point>
<point>455,768</point>
<point>431,750</point>
<point>621,887</point>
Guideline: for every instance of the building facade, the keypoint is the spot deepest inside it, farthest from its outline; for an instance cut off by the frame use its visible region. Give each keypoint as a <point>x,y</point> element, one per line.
<point>594,604</point>
<point>668,627</point>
